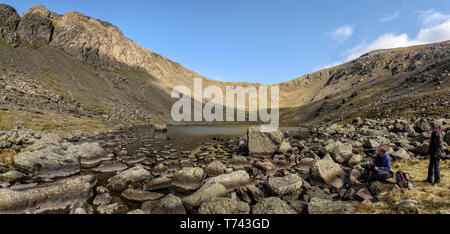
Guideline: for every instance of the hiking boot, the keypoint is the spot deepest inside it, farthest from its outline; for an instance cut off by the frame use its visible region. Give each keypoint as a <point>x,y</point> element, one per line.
<point>427,181</point>
<point>436,182</point>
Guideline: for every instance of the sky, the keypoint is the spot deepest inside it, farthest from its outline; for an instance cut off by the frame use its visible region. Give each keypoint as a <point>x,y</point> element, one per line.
<point>264,41</point>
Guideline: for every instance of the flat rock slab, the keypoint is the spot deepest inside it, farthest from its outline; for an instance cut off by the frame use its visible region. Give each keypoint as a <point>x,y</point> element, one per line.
<point>108,167</point>
<point>138,195</point>
<point>47,197</point>
<point>52,161</point>
<point>273,205</point>
<point>321,206</point>
<point>158,183</point>
<point>134,177</point>
<point>206,192</point>
<point>232,180</point>
<point>224,205</point>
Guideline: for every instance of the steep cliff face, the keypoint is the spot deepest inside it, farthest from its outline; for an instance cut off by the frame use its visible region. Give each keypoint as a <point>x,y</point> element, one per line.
<point>89,62</point>
<point>92,41</point>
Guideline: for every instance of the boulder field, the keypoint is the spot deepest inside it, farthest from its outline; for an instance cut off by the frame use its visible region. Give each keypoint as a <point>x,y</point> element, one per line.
<point>258,173</point>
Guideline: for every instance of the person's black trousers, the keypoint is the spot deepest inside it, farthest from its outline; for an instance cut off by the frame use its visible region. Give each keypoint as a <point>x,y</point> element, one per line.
<point>433,169</point>
<point>376,175</point>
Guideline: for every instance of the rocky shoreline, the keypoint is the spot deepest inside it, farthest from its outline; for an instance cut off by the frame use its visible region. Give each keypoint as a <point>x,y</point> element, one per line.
<point>139,170</point>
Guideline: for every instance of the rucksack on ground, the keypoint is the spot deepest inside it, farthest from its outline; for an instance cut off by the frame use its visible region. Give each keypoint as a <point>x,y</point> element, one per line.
<point>403,179</point>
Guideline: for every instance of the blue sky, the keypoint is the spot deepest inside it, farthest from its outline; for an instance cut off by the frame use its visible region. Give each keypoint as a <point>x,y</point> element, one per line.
<point>265,41</point>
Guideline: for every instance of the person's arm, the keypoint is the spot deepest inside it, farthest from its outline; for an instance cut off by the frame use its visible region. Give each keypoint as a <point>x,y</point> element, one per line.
<point>439,144</point>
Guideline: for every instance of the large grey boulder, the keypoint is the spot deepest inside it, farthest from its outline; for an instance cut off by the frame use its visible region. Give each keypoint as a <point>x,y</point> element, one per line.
<point>215,168</point>
<point>287,187</point>
<point>400,154</point>
<point>90,154</point>
<point>339,148</point>
<point>49,139</point>
<point>11,176</point>
<point>47,197</point>
<point>36,28</point>
<point>284,147</point>
<point>207,191</point>
<point>328,172</point>
<point>322,206</point>
<point>49,162</point>
<point>224,205</point>
<point>273,205</point>
<point>188,179</point>
<point>263,143</point>
<point>421,125</point>
<point>138,195</point>
<point>134,177</point>
<point>447,138</point>
<point>231,181</point>
<point>170,204</point>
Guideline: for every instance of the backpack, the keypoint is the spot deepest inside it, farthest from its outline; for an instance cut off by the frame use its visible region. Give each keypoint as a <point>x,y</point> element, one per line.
<point>403,179</point>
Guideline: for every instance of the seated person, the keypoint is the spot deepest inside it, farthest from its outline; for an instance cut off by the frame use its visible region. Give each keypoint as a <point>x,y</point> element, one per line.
<point>380,169</point>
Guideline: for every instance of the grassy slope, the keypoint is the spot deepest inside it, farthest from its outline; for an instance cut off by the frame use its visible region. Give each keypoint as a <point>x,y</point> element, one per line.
<point>433,198</point>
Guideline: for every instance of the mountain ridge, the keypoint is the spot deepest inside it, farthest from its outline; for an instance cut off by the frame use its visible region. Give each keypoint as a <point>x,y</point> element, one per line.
<point>91,64</point>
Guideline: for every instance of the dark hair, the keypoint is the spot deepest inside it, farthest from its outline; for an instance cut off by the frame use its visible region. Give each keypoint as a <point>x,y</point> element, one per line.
<point>382,149</point>
<point>434,125</point>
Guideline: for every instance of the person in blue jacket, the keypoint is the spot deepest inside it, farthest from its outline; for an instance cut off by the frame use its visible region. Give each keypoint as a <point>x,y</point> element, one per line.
<point>380,169</point>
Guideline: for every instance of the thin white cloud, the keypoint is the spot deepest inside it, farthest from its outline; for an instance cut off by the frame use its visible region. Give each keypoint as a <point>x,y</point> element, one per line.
<point>389,18</point>
<point>432,18</point>
<point>342,33</point>
<point>435,27</point>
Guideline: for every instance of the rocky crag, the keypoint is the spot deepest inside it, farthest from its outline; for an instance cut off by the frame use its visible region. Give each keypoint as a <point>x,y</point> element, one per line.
<point>102,74</point>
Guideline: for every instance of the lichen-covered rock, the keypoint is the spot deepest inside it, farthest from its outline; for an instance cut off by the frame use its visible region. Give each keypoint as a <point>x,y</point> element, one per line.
<point>169,205</point>
<point>326,171</point>
<point>50,162</point>
<point>35,27</point>
<point>287,187</point>
<point>322,206</point>
<point>188,179</point>
<point>263,143</point>
<point>400,154</point>
<point>354,160</point>
<point>224,205</point>
<point>11,176</point>
<point>251,194</point>
<point>158,183</point>
<point>47,197</point>
<point>215,168</point>
<point>232,180</point>
<point>273,205</point>
<point>138,195</point>
<point>134,177</point>
<point>207,191</point>
<point>284,147</point>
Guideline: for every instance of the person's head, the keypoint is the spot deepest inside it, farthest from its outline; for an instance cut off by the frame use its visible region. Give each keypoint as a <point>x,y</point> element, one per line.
<point>381,151</point>
<point>433,126</point>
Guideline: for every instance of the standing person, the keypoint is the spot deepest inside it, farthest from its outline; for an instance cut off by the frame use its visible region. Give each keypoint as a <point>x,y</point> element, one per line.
<point>380,169</point>
<point>436,152</point>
